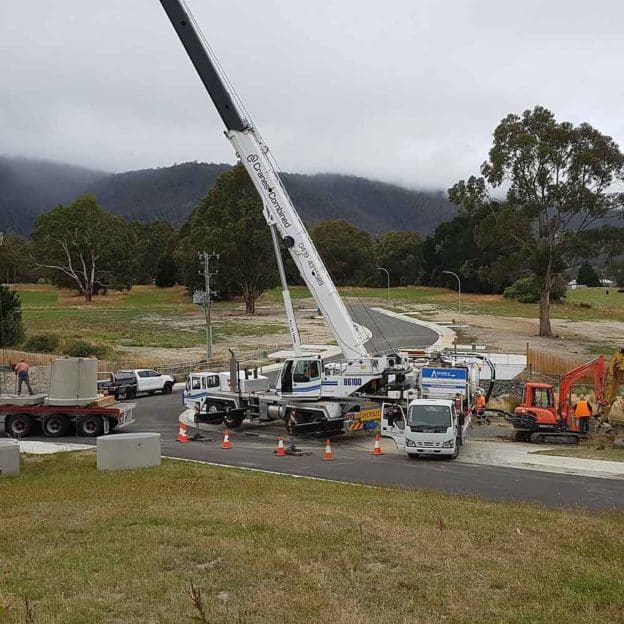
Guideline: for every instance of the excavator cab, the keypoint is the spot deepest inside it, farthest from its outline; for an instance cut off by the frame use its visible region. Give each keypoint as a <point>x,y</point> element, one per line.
<point>538,404</point>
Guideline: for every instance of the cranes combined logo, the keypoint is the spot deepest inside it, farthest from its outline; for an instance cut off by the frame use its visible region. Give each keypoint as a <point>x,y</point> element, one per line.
<point>257,167</point>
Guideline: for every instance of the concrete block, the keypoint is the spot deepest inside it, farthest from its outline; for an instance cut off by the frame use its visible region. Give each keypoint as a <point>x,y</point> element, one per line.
<point>73,381</point>
<point>125,451</point>
<point>9,458</point>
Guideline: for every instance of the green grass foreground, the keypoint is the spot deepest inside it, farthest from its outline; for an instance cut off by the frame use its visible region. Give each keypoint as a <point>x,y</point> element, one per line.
<point>81,546</point>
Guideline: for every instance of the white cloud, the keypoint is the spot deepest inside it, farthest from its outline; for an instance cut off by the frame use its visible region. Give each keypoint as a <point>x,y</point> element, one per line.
<point>402,91</point>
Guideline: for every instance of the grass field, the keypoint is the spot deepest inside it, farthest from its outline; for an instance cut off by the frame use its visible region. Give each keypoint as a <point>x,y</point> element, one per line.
<point>165,318</point>
<point>81,546</point>
<point>580,304</point>
<point>144,317</point>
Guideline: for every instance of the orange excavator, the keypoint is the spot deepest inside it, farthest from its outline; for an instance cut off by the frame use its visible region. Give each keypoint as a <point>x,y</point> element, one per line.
<point>541,418</point>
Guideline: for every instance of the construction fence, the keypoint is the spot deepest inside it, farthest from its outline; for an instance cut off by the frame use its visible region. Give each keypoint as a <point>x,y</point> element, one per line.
<point>552,366</point>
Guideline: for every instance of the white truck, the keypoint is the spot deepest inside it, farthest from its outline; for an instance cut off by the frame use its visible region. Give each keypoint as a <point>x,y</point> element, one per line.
<point>437,422</point>
<point>147,381</point>
<point>431,427</point>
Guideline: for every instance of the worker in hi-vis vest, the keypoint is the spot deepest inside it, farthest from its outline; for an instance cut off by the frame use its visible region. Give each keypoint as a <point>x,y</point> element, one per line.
<point>582,411</point>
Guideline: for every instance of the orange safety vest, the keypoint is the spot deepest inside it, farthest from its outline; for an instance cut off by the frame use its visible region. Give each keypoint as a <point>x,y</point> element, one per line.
<point>582,409</point>
<point>480,401</point>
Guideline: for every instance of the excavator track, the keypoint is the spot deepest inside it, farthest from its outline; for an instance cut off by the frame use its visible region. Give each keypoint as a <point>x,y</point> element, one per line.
<point>555,437</point>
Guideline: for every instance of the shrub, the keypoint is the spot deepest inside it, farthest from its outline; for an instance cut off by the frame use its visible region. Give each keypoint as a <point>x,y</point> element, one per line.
<point>42,343</point>
<point>11,326</point>
<point>82,348</point>
<point>527,290</point>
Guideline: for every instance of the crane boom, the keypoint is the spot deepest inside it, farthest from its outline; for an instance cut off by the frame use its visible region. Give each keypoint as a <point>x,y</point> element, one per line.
<point>279,210</point>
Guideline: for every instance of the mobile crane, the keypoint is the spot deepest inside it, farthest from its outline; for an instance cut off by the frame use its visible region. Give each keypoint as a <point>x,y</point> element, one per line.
<point>321,394</point>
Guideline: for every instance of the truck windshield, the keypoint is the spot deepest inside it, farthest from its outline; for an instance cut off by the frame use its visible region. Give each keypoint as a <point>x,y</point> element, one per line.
<point>427,417</point>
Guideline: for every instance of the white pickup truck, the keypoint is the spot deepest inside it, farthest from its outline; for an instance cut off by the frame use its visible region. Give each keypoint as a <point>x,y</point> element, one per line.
<point>147,380</point>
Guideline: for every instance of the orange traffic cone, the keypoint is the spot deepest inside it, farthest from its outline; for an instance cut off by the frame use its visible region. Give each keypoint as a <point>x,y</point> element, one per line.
<point>226,440</point>
<point>182,433</point>
<point>328,455</point>
<point>377,447</point>
<point>280,451</point>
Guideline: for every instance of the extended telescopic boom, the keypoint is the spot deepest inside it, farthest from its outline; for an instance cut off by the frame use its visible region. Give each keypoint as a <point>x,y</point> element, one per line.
<point>278,208</point>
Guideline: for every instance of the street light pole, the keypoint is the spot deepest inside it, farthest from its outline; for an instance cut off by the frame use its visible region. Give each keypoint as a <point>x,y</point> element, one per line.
<point>388,276</point>
<point>458,293</point>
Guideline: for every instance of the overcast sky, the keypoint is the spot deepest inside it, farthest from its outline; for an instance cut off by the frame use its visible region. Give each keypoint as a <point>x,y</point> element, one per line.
<point>405,91</point>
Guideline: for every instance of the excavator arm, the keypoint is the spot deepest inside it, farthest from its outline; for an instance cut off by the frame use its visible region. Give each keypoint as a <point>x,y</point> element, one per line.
<point>613,380</point>
<point>597,368</point>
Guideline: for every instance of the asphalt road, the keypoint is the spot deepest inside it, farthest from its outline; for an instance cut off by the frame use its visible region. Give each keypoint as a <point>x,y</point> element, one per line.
<point>389,332</point>
<point>253,448</point>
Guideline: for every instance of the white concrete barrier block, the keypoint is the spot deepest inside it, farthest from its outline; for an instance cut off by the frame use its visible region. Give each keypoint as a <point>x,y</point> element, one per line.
<point>125,451</point>
<point>9,458</point>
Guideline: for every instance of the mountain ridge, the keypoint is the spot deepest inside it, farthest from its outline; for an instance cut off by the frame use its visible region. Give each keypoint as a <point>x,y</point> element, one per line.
<point>31,186</point>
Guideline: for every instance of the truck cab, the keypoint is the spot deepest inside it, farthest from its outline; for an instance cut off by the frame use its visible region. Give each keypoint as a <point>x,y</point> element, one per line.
<point>428,427</point>
<point>204,384</point>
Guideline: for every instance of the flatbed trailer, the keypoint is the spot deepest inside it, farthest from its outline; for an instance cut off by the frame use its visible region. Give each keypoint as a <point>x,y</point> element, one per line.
<point>55,421</point>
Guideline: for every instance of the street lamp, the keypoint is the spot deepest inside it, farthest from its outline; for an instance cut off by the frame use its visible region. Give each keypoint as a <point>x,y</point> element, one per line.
<point>388,276</point>
<point>458,293</point>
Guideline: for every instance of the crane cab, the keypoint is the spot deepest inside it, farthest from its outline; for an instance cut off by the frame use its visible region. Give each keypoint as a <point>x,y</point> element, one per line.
<point>301,377</point>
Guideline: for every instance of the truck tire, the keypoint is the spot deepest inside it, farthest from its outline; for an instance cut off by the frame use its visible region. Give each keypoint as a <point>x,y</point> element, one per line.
<point>90,426</point>
<point>131,394</point>
<point>18,425</point>
<point>167,388</point>
<point>55,425</point>
<point>233,422</point>
<point>455,454</point>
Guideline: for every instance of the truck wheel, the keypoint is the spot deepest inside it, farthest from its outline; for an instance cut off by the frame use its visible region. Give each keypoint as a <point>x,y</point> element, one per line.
<point>167,388</point>
<point>55,425</point>
<point>456,451</point>
<point>90,426</point>
<point>233,422</point>
<point>131,394</point>
<point>18,425</point>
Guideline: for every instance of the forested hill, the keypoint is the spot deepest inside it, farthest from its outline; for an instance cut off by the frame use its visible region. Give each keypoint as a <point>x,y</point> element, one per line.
<point>161,194</point>
<point>28,188</point>
<point>374,206</point>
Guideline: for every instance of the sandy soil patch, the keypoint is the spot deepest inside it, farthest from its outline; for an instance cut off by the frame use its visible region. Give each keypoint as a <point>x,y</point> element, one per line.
<point>512,334</point>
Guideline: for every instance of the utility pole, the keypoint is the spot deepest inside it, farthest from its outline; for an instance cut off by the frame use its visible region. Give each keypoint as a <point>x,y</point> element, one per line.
<point>207,299</point>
